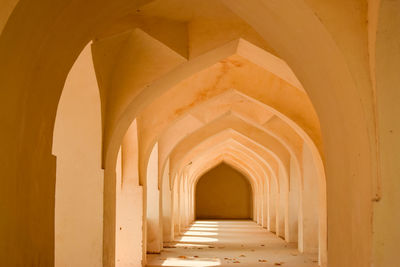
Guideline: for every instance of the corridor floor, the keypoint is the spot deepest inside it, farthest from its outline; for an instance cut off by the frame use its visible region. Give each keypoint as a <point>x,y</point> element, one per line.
<point>229,243</point>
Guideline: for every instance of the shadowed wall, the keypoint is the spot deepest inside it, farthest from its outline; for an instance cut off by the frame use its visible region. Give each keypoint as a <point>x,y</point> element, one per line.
<point>223,193</point>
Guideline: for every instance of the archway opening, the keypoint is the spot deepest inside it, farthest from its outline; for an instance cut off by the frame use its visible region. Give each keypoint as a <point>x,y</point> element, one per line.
<point>223,193</point>
<point>79,177</point>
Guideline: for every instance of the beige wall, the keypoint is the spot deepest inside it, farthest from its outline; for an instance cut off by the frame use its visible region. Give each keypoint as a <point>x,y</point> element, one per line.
<point>129,204</point>
<point>282,203</point>
<point>387,208</point>
<point>79,181</point>
<point>37,51</point>
<point>167,206</point>
<point>310,202</point>
<point>154,226</point>
<point>294,199</point>
<point>223,193</point>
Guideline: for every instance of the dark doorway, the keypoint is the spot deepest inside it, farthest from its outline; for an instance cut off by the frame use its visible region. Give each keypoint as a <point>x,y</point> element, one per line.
<point>223,193</point>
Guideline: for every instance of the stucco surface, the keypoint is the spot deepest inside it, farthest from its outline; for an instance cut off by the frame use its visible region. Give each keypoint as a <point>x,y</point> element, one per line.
<point>283,90</point>
<point>223,193</point>
<point>229,243</point>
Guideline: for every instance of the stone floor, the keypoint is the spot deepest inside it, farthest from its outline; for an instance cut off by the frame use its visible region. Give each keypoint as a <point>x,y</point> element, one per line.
<point>230,243</point>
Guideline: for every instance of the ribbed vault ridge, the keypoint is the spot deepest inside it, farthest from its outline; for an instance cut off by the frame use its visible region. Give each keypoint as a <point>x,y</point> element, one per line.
<point>115,110</point>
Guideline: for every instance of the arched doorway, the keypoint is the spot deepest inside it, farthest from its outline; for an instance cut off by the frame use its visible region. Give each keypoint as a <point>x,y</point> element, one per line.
<point>79,176</point>
<point>223,193</point>
<point>346,145</point>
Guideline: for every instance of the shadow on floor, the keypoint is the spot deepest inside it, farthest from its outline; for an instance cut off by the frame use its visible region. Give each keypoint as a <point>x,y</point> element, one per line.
<point>229,243</point>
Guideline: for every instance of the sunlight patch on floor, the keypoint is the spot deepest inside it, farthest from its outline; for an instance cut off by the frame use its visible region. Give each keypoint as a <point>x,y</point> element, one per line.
<point>207,222</point>
<point>197,228</point>
<point>199,239</point>
<point>189,245</point>
<point>228,243</point>
<point>191,261</point>
<point>199,233</point>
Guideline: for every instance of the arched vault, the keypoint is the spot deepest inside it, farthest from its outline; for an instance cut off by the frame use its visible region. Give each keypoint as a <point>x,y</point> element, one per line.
<point>246,107</point>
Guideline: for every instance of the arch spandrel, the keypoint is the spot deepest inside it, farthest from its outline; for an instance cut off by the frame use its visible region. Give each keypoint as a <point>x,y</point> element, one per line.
<point>231,159</point>
<point>269,90</point>
<point>218,154</point>
<point>239,104</point>
<point>31,26</point>
<point>229,121</point>
<point>231,137</point>
<point>244,155</point>
<point>247,108</point>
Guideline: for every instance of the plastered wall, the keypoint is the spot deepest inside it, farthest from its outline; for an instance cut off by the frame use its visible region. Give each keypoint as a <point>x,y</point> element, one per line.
<point>129,204</point>
<point>387,202</point>
<point>223,193</point>
<point>77,146</point>
<point>37,50</point>
<point>154,242</point>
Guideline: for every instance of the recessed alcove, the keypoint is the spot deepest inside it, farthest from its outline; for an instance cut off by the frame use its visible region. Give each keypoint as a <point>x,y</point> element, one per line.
<point>223,193</point>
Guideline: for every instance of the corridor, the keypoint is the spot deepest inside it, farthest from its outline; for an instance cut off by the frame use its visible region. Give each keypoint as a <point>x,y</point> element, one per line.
<point>199,133</point>
<point>229,243</point>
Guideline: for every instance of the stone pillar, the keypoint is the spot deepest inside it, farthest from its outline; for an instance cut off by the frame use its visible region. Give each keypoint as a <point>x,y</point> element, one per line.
<point>272,210</point>
<point>154,230</point>
<point>129,205</point>
<point>167,206</point>
<point>310,203</point>
<point>294,198</point>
